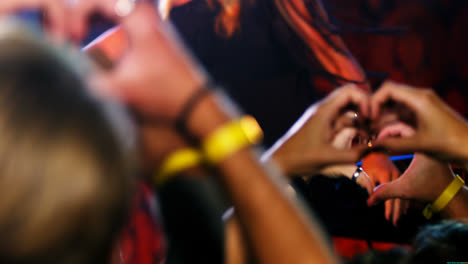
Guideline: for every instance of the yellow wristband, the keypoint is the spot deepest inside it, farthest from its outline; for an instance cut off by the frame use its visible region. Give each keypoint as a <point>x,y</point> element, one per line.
<point>177,162</point>
<point>231,138</point>
<point>222,143</point>
<point>446,196</point>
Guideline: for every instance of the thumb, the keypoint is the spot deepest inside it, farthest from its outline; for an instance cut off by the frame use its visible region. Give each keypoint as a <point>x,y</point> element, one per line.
<point>385,191</point>
<point>344,138</point>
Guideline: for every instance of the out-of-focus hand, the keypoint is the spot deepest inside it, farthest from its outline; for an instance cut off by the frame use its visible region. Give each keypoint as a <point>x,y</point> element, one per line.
<point>307,146</point>
<point>439,131</point>
<point>81,10</point>
<point>156,75</point>
<point>68,18</point>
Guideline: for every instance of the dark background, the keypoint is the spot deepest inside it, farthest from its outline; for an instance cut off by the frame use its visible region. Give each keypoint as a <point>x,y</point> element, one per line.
<point>430,49</point>
<point>418,42</point>
<point>427,44</point>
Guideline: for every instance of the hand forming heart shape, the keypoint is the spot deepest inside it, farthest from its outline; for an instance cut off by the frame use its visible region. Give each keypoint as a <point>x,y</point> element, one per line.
<point>397,118</point>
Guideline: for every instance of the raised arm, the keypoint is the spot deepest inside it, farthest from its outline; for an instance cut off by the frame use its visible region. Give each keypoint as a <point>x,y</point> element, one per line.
<point>156,77</point>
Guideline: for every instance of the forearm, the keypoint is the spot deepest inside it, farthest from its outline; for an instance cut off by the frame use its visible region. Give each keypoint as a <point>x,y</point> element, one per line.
<point>277,229</point>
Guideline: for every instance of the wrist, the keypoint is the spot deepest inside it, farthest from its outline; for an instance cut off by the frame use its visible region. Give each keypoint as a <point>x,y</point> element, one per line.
<point>186,89</point>
<point>210,125</point>
<point>157,142</point>
<point>207,116</point>
<point>458,206</point>
<point>281,162</point>
<point>441,203</point>
<point>294,164</point>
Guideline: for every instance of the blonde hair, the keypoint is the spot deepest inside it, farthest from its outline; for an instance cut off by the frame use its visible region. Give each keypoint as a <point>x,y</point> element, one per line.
<point>64,171</point>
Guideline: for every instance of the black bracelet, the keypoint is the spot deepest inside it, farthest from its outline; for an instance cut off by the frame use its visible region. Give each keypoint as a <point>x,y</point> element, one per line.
<point>182,118</point>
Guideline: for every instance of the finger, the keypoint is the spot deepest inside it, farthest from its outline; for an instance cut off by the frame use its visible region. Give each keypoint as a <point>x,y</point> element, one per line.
<point>365,181</point>
<point>398,129</point>
<point>77,24</point>
<point>403,145</point>
<point>12,6</point>
<point>56,17</point>
<point>347,119</point>
<point>390,205</point>
<point>406,204</point>
<point>389,117</point>
<point>388,209</point>
<point>349,94</point>
<point>344,138</point>
<point>142,23</point>
<point>385,191</point>
<point>397,210</point>
<point>80,10</point>
<point>393,91</point>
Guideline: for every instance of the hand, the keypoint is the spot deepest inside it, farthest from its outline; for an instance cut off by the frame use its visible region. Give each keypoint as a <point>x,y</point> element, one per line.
<point>307,146</point>
<point>343,140</point>
<point>381,170</point>
<point>424,180</point>
<point>80,10</point>
<point>156,75</point>
<point>414,183</point>
<point>439,131</point>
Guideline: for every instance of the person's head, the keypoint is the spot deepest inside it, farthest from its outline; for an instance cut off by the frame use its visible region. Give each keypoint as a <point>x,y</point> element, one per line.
<point>441,243</point>
<point>64,171</point>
